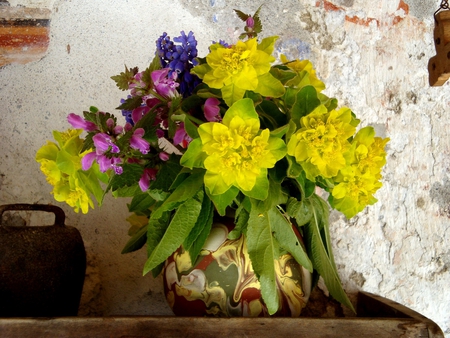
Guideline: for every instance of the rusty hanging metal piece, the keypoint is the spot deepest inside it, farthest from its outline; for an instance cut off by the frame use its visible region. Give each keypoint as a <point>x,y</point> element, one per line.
<point>439,65</point>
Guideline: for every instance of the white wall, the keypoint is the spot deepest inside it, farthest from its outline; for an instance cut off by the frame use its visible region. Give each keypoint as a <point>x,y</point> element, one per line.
<point>373,57</point>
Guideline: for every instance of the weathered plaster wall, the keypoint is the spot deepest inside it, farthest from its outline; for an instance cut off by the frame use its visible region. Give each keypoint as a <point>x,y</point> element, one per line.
<point>373,57</point>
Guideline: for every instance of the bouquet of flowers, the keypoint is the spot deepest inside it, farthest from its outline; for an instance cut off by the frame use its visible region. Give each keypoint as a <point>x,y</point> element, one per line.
<point>234,130</point>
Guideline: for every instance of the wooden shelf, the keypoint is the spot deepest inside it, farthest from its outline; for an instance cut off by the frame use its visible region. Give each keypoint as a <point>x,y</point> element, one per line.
<point>377,317</point>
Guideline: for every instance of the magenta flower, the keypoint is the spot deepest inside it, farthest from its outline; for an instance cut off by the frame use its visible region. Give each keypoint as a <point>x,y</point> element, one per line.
<point>104,162</point>
<point>212,110</point>
<point>148,175</point>
<point>163,156</point>
<point>164,85</point>
<point>80,123</point>
<point>137,142</point>
<point>137,113</point>
<point>181,137</point>
<point>103,142</point>
<point>88,160</point>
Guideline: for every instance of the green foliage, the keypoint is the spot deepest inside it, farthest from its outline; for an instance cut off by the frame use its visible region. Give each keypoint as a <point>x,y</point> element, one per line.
<point>124,78</point>
<point>182,222</point>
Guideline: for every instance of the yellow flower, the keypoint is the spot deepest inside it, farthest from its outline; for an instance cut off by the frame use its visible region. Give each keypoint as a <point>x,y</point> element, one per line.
<point>306,73</point>
<point>359,180</point>
<point>241,67</point>
<point>321,142</point>
<point>237,152</point>
<point>61,166</point>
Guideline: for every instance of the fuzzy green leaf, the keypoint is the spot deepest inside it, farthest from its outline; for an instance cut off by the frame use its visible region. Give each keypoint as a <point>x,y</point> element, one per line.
<point>263,248</point>
<point>141,202</point>
<point>198,235</point>
<point>185,191</point>
<point>306,102</point>
<point>319,249</point>
<point>285,235</point>
<point>123,79</point>
<point>179,228</point>
<point>137,241</point>
<point>300,210</point>
<point>268,85</point>
<point>222,201</point>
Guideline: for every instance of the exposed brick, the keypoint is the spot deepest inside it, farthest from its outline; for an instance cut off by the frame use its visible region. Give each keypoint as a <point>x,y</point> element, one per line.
<point>24,34</point>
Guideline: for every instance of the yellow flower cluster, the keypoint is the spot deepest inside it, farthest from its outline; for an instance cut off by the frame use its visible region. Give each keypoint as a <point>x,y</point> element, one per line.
<point>359,180</point>
<point>238,153</point>
<point>240,67</point>
<point>321,142</point>
<point>61,164</point>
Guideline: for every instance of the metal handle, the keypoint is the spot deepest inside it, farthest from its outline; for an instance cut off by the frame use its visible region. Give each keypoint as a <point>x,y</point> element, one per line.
<point>60,216</point>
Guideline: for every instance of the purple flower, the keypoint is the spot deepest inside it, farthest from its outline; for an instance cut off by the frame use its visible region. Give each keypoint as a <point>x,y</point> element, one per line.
<point>79,123</point>
<point>250,22</point>
<point>104,162</point>
<point>165,85</point>
<point>163,156</point>
<point>88,160</point>
<point>179,59</point>
<point>137,113</point>
<point>181,137</point>
<point>148,175</point>
<point>137,142</point>
<point>103,142</point>
<point>212,110</point>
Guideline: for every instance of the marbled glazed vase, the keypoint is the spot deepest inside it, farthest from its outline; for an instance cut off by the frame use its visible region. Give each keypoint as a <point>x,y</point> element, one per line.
<point>222,282</point>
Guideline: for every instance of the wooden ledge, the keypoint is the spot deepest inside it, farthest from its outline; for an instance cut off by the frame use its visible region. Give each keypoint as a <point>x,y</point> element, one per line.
<point>374,320</point>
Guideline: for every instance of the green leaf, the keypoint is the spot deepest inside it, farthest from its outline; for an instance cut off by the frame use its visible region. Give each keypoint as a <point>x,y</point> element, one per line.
<point>306,186</point>
<point>191,128</point>
<point>194,156</point>
<point>282,73</point>
<point>155,232</point>
<point>267,44</point>
<point>319,249</point>
<point>300,210</point>
<point>167,174</point>
<point>198,235</point>
<point>131,174</point>
<point>261,189</point>
<point>67,163</point>
<point>141,202</point>
<point>179,228</point>
<point>185,191</point>
<point>222,201</point>
<point>92,184</point>
<point>127,191</point>
<point>275,196</point>
<point>306,102</point>
<point>201,221</point>
<point>232,93</point>
<point>263,249</point>
<point>284,232</point>
<point>123,79</point>
<point>137,241</point>
<point>241,223</point>
<point>268,85</point>
<point>271,115</point>
<point>131,103</point>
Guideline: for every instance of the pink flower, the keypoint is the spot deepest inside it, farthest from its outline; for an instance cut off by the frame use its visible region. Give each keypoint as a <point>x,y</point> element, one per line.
<point>103,142</point>
<point>137,142</point>
<point>181,137</point>
<point>163,85</point>
<point>79,123</point>
<point>212,110</point>
<point>163,156</point>
<point>148,175</point>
